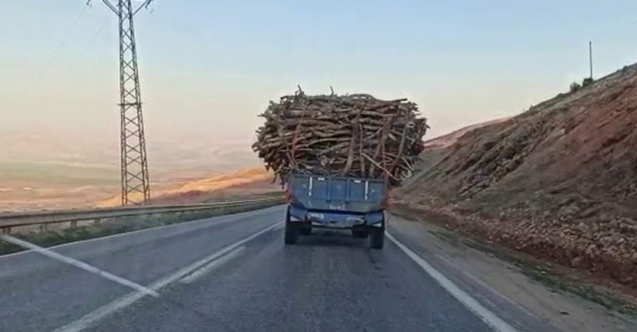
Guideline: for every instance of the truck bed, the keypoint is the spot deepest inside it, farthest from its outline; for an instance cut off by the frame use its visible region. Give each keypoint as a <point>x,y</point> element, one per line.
<point>344,194</point>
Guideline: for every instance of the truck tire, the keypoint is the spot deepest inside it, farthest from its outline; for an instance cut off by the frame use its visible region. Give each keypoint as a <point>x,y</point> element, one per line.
<point>305,230</point>
<point>291,233</point>
<point>359,234</point>
<point>377,238</point>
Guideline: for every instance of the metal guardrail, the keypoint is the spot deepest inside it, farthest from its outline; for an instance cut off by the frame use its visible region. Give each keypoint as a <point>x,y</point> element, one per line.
<point>9,220</point>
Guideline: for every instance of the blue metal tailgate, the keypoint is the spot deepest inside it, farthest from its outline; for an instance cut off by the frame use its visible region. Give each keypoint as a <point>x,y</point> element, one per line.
<point>351,195</point>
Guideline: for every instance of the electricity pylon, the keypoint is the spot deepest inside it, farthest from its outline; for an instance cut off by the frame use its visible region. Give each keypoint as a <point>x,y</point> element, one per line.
<point>134,164</point>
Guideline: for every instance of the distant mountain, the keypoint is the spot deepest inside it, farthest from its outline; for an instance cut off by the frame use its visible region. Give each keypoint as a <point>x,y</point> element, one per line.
<point>187,155</point>
<point>51,168</point>
<point>449,139</point>
<point>45,145</point>
<point>240,183</point>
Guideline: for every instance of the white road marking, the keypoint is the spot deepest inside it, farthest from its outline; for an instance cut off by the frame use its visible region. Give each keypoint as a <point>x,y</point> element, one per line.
<point>474,306</point>
<point>210,266</point>
<point>211,220</point>
<point>279,226</point>
<point>79,264</point>
<point>100,313</point>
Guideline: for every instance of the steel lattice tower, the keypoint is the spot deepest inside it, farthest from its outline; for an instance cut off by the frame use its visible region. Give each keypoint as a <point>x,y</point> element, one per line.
<point>134,164</point>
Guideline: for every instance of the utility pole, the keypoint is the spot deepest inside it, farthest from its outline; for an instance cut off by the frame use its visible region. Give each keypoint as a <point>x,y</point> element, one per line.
<point>134,164</point>
<point>590,58</point>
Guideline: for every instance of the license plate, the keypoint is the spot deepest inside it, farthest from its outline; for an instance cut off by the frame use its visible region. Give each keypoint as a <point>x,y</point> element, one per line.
<point>315,215</point>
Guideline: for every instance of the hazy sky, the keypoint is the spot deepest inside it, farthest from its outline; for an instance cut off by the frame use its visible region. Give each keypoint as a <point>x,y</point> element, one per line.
<point>211,66</point>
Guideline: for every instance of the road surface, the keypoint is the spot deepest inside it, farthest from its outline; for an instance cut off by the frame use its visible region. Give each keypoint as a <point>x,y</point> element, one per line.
<point>233,273</point>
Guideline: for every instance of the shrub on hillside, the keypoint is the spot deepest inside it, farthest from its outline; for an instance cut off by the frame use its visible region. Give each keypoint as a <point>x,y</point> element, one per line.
<point>575,87</point>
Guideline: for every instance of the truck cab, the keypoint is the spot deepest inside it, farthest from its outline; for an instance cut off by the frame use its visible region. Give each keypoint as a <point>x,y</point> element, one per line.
<point>344,203</point>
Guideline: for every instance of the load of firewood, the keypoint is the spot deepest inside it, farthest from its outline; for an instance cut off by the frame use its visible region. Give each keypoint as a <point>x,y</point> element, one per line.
<point>352,135</point>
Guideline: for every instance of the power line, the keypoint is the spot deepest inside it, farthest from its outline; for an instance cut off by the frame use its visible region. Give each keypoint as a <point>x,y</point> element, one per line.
<point>59,46</point>
<point>81,54</point>
<point>92,70</point>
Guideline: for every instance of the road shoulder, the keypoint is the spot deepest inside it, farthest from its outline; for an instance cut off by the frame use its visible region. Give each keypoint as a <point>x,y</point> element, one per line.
<point>507,288</point>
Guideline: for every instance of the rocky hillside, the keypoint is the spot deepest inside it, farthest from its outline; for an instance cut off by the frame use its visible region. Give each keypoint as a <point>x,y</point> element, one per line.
<point>440,147</point>
<point>558,181</point>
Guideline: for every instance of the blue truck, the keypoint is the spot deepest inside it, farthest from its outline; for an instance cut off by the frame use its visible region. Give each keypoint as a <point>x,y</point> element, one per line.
<point>344,203</point>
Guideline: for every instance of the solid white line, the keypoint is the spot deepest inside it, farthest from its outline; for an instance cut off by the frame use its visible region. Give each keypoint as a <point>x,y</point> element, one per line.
<point>474,306</point>
<point>210,266</point>
<point>79,264</point>
<point>232,217</point>
<point>100,313</point>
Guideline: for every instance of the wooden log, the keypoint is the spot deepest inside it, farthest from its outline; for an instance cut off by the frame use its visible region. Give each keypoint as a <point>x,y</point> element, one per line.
<point>331,134</point>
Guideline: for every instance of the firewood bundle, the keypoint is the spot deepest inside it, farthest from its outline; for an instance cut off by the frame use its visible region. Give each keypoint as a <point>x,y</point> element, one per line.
<point>352,135</point>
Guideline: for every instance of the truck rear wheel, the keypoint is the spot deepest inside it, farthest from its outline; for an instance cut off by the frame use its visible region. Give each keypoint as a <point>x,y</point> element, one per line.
<point>377,238</point>
<point>291,230</point>
<point>291,233</point>
<point>305,230</point>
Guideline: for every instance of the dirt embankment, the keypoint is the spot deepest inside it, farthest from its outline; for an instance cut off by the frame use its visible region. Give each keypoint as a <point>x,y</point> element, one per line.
<point>558,181</point>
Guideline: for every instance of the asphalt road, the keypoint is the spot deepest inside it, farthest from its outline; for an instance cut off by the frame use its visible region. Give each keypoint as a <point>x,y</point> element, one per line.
<point>233,273</point>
